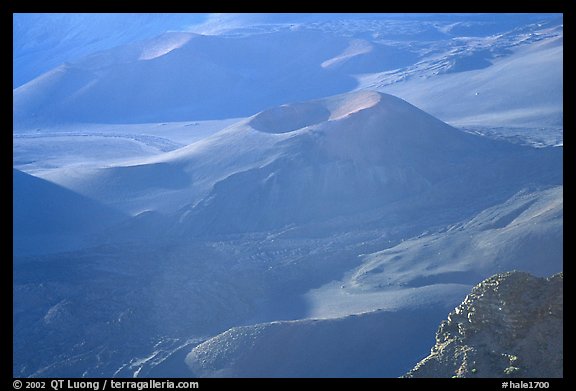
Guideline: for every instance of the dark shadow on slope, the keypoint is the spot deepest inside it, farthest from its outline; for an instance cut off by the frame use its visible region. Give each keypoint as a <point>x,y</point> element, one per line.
<point>48,217</point>
<point>376,344</point>
<point>467,277</point>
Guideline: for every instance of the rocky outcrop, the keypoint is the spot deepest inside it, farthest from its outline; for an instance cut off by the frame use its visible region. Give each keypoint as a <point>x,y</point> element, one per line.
<point>510,325</point>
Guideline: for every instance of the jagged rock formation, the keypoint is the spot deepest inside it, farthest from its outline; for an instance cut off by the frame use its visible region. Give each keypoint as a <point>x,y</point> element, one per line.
<point>510,325</point>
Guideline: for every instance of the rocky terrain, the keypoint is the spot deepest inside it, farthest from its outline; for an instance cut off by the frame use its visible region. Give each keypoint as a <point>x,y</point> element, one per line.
<point>510,325</point>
